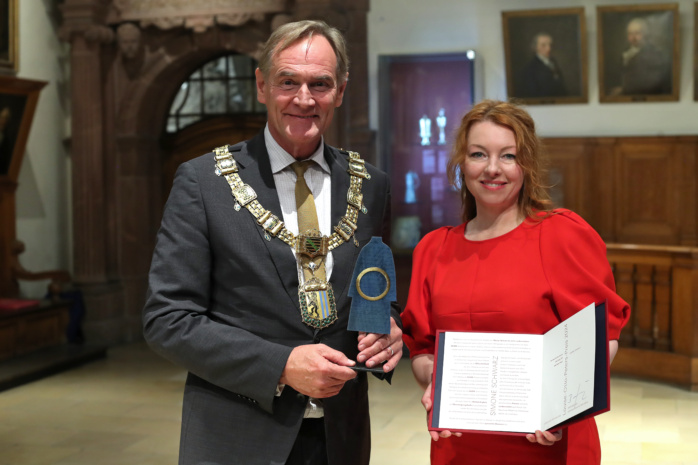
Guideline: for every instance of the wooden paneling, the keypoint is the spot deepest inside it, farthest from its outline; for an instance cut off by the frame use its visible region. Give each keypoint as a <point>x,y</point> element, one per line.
<point>645,175</point>
<point>569,177</point>
<point>637,190</point>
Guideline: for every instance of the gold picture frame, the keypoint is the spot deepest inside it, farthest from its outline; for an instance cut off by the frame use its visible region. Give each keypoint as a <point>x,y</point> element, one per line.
<point>546,55</point>
<point>638,48</point>
<point>8,36</point>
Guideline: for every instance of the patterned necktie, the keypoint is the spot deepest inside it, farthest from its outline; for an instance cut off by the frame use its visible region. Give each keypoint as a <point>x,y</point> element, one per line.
<point>307,220</point>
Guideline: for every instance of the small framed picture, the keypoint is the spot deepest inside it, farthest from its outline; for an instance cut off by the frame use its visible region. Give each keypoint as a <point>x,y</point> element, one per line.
<point>638,52</point>
<point>546,55</point>
<point>8,36</point>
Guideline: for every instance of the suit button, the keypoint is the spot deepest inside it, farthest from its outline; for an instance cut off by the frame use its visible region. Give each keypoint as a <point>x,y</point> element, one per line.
<point>316,339</point>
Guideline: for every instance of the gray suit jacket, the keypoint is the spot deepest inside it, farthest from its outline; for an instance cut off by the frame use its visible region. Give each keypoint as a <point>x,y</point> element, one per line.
<point>223,303</point>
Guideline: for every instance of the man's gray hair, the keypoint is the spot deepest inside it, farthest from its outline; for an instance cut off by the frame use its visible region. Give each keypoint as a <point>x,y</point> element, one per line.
<point>290,33</point>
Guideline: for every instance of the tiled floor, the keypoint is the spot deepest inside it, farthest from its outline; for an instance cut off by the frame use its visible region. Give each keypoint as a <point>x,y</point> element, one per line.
<point>126,409</point>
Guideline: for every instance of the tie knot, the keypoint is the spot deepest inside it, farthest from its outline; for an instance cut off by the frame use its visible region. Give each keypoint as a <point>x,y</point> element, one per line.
<point>300,167</point>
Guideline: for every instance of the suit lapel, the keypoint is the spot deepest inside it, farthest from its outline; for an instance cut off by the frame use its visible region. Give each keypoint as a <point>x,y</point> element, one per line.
<point>255,170</point>
<point>344,255</point>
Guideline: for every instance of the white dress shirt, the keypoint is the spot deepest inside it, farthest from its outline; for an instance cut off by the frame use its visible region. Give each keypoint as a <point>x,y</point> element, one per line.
<point>318,179</point>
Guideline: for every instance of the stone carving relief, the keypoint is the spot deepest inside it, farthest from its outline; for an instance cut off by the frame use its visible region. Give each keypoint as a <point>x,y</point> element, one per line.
<point>198,15</point>
<point>136,58</point>
<point>92,32</point>
<point>128,38</point>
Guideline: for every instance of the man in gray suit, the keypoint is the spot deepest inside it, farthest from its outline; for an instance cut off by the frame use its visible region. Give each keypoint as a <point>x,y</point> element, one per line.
<point>250,299</point>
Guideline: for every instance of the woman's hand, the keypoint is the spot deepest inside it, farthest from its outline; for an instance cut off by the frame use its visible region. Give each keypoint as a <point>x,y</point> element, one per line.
<point>545,438</point>
<point>378,348</point>
<point>427,403</point>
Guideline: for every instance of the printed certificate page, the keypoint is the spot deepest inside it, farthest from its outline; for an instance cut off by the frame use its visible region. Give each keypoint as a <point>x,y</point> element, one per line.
<point>515,383</point>
<point>490,381</point>
<point>568,368</point>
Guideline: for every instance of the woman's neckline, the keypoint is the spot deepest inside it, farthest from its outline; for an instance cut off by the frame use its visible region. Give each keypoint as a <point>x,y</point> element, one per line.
<point>499,236</point>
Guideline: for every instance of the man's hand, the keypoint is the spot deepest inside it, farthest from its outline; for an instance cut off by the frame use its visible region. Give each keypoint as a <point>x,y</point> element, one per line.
<point>378,348</point>
<point>317,370</point>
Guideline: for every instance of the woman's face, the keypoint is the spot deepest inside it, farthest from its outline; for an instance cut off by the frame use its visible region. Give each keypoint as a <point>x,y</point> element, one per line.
<point>491,172</point>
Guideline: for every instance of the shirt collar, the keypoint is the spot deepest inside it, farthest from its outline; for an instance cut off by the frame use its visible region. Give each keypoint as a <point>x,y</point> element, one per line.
<point>280,159</point>
<point>544,59</point>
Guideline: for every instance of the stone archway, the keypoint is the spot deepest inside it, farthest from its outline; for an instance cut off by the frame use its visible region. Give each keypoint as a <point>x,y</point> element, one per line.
<point>126,65</point>
<point>202,137</point>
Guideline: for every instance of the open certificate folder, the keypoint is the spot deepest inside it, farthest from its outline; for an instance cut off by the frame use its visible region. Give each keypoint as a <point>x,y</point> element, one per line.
<point>519,383</point>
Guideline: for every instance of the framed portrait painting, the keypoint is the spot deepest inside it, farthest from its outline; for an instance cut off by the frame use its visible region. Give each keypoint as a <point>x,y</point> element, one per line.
<point>638,47</point>
<point>546,55</point>
<point>8,36</point>
<point>18,99</point>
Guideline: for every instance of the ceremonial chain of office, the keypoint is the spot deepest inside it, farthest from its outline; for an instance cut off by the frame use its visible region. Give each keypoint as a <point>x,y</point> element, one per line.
<point>318,308</point>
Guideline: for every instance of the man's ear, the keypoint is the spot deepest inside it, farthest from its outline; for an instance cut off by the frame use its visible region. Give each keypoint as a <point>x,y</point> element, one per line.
<point>340,91</point>
<point>261,96</point>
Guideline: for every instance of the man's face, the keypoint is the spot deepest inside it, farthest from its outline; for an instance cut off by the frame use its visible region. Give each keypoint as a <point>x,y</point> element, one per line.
<point>301,93</point>
<point>635,35</point>
<point>544,45</point>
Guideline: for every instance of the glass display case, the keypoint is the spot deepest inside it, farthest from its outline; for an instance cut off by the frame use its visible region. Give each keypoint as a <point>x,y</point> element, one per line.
<point>422,100</point>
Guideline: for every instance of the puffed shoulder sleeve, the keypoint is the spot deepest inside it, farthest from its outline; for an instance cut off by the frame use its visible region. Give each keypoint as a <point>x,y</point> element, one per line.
<point>418,331</point>
<point>576,266</point>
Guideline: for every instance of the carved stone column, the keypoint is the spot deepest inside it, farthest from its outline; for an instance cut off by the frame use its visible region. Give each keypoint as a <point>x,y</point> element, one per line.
<point>83,28</point>
<point>359,133</point>
<point>88,167</point>
<point>352,129</point>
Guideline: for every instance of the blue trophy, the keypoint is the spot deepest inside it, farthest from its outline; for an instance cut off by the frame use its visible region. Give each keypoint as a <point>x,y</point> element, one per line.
<point>372,289</point>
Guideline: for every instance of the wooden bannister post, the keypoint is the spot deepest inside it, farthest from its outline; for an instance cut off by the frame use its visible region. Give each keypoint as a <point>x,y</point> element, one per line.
<point>662,308</point>
<point>660,341</point>
<point>625,288</point>
<point>642,306</point>
<point>685,306</point>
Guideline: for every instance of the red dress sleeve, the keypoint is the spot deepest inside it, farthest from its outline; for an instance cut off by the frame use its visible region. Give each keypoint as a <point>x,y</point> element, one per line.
<point>418,333</point>
<point>576,266</point>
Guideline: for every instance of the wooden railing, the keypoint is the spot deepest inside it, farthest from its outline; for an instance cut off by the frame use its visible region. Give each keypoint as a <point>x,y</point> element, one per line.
<point>660,341</point>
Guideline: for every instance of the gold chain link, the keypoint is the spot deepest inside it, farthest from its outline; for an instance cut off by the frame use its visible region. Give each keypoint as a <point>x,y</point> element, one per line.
<point>246,196</point>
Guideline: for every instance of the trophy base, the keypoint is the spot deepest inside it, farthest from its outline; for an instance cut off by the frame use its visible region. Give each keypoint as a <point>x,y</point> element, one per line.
<point>363,367</point>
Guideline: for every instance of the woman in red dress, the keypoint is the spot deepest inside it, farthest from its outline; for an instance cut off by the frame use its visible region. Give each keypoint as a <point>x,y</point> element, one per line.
<point>514,265</point>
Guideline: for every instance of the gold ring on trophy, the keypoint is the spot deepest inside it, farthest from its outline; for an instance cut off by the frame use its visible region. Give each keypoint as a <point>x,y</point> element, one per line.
<point>361,275</point>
